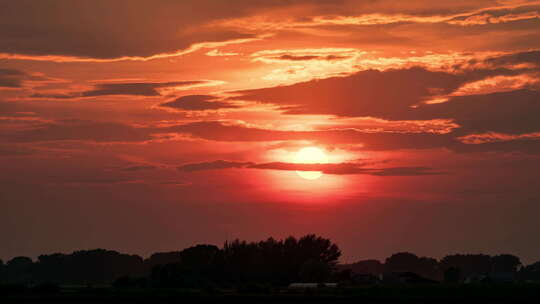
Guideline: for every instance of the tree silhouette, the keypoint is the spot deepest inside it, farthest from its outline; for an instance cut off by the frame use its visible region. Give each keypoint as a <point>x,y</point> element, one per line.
<point>87,266</point>
<point>452,275</point>
<point>468,264</point>
<point>530,272</point>
<point>278,262</point>
<point>19,269</point>
<point>408,262</point>
<point>505,263</point>
<point>314,271</point>
<point>2,271</point>
<point>162,258</point>
<point>310,258</point>
<point>373,267</point>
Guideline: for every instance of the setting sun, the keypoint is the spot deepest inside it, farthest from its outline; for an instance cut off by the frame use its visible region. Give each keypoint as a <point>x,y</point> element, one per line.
<point>157,130</point>
<point>310,155</point>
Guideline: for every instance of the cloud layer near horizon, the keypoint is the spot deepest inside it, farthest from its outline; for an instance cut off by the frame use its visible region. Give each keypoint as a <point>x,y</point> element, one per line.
<point>338,168</point>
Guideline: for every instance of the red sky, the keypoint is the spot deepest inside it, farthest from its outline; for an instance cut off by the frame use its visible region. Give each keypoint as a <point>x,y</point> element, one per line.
<point>146,126</point>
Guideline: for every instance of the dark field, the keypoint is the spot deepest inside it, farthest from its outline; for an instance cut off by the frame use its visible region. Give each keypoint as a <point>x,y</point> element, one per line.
<point>440,293</point>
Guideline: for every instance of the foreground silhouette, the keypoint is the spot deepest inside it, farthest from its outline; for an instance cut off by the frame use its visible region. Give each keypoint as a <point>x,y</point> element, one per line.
<point>310,258</point>
<point>267,267</point>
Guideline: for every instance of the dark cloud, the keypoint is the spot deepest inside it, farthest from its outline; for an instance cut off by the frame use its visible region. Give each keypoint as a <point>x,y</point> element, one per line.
<point>402,95</point>
<point>139,168</point>
<point>104,30</point>
<point>217,131</point>
<point>514,112</point>
<point>384,94</point>
<point>369,141</point>
<point>397,33</point>
<point>348,168</point>
<point>55,96</point>
<point>142,88</point>
<point>213,165</point>
<point>530,146</point>
<point>407,171</point>
<point>198,103</point>
<point>338,168</point>
<point>137,89</point>
<point>11,78</point>
<point>532,57</point>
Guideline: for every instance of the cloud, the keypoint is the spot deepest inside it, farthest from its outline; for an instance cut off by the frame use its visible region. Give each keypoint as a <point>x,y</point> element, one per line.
<point>490,137</point>
<point>12,78</point>
<point>527,146</point>
<point>213,165</point>
<point>483,16</point>
<point>111,132</point>
<point>141,89</point>
<point>291,55</point>
<point>532,57</point>
<point>217,131</point>
<point>136,89</point>
<point>103,30</point>
<point>514,112</point>
<point>367,140</point>
<point>348,168</point>
<point>352,12</point>
<point>483,97</point>
<point>56,95</point>
<point>198,103</point>
<point>338,168</point>
<point>76,130</point>
<point>498,16</point>
<point>139,168</point>
<point>382,94</point>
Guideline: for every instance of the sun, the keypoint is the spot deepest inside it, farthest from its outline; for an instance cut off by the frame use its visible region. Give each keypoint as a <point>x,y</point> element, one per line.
<point>310,155</point>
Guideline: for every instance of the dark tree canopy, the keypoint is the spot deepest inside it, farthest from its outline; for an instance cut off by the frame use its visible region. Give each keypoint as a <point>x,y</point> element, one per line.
<point>374,267</point>
<point>408,262</point>
<point>162,258</point>
<point>468,264</point>
<point>279,261</point>
<point>505,263</point>
<point>310,258</point>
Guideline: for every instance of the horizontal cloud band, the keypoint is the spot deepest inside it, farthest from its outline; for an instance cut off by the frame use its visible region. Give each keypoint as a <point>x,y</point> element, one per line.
<point>337,168</point>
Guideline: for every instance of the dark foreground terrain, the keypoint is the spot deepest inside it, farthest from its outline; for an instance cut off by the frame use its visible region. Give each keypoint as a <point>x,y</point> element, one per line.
<point>440,293</point>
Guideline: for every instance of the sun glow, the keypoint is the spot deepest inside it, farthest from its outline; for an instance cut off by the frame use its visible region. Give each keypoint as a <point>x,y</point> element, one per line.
<point>310,155</point>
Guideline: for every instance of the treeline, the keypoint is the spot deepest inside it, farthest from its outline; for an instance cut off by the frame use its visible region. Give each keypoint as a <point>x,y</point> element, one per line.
<point>273,262</point>
<point>309,258</point>
<point>451,268</point>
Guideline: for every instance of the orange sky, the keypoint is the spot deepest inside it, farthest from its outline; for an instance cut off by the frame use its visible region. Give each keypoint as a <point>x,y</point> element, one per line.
<point>153,125</point>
